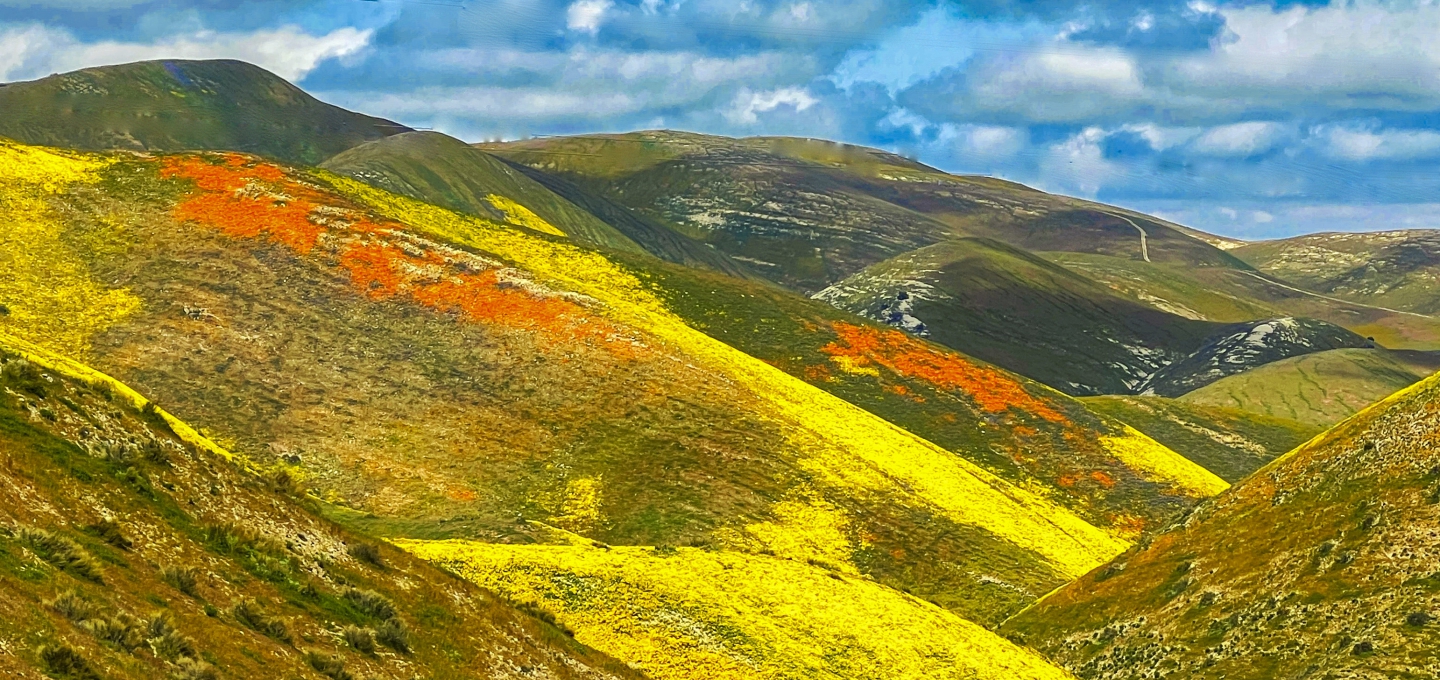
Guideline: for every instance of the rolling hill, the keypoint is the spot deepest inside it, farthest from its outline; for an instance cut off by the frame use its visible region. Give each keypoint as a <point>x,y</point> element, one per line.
<point>177,105</point>
<point>419,368</point>
<point>1319,389</point>
<point>1245,346</point>
<point>133,547</point>
<point>1321,565</point>
<point>1395,269</point>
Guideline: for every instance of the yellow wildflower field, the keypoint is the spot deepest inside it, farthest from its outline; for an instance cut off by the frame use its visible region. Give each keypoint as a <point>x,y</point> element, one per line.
<point>693,614</point>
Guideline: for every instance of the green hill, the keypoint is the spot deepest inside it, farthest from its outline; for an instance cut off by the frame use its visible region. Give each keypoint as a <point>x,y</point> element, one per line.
<point>447,172</point>
<point>809,213</point>
<point>1395,269</point>
<point>1228,441</point>
<point>176,105</point>
<point>1316,566</point>
<point>1019,311</point>
<point>134,547</point>
<point>1318,389</point>
<point>1245,346</point>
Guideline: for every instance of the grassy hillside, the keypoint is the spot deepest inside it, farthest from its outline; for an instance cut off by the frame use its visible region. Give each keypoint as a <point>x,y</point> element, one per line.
<point>177,105</point>
<point>1014,309</point>
<point>447,172</point>
<point>1245,346</point>
<point>1318,389</point>
<point>1396,269</point>
<point>133,547</point>
<point>1228,441</point>
<point>1236,295</point>
<point>808,213</point>
<point>421,367</point>
<point>1320,565</point>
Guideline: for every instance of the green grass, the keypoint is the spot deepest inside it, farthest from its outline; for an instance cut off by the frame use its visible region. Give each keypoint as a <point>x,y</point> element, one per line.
<point>1318,389</point>
<point>178,105</point>
<point>1395,269</point>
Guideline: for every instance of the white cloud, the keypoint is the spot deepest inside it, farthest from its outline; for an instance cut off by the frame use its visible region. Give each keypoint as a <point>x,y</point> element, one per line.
<point>1240,139</point>
<point>748,104</point>
<point>1161,138</point>
<point>984,142</point>
<point>1057,83</point>
<point>288,51</point>
<point>1358,144</point>
<point>1262,217</point>
<point>586,16</point>
<point>1078,164</point>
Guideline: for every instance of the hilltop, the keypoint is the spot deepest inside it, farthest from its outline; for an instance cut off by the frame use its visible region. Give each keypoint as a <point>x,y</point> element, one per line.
<point>1321,563</point>
<point>177,105</point>
<point>1395,269</point>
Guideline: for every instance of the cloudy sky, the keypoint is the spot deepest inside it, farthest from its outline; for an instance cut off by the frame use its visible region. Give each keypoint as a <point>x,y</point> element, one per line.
<point>1253,120</point>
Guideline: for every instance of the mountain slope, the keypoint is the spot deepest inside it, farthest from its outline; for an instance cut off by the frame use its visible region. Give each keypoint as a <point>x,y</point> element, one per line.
<point>133,547</point>
<point>1009,307</point>
<point>177,105</point>
<point>1228,441</point>
<point>1245,346</point>
<point>1318,389</point>
<point>1396,269</point>
<point>1321,565</point>
<point>808,213</point>
<point>447,172</point>
<point>421,367</point>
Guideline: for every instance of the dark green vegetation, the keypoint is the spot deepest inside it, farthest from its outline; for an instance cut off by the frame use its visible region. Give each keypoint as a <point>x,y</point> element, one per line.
<point>178,105</point>
<point>1395,269</point>
<point>1244,346</point>
<point>1009,307</point>
<point>1320,565</point>
<point>126,552</point>
<point>1319,389</point>
<point>1229,442</point>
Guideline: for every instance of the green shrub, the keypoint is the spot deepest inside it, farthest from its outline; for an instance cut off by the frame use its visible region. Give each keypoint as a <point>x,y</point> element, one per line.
<point>360,639</point>
<point>72,605</point>
<point>393,634</point>
<point>371,602</point>
<point>367,553</point>
<point>166,641</point>
<point>63,553</point>
<point>193,669</point>
<point>182,578</point>
<point>62,661</point>
<point>328,665</point>
<point>121,630</point>
<point>249,614</point>
<point>108,530</point>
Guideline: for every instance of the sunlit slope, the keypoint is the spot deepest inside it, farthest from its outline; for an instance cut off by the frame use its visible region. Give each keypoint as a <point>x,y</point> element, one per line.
<point>445,171</point>
<point>1320,564</point>
<point>438,375</point>
<point>808,213</point>
<point>136,548</point>
<point>686,613</point>
<point>1318,389</point>
<point>1021,430</point>
<point>1234,295</point>
<point>1395,269</point>
<point>1004,305</point>
<point>174,105</point>
<point>1229,442</point>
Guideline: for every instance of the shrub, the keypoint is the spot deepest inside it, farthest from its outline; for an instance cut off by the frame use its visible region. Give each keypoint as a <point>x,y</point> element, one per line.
<point>62,661</point>
<point>71,605</point>
<point>181,578</point>
<point>328,665</point>
<point>249,613</point>
<point>193,669</point>
<point>108,530</point>
<point>371,602</point>
<point>368,553</point>
<point>360,639</point>
<point>261,555</point>
<point>121,630</point>
<point>393,634</point>
<point>63,553</point>
<point>1418,619</point>
<point>166,641</point>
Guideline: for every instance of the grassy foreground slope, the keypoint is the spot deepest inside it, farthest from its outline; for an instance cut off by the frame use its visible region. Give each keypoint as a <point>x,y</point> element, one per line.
<point>1229,442</point>
<point>687,612</point>
<point>421,368</point>
<point>133,547</point>
<point>1322,564</point>
<point>177,105</point>
<point>1318,389</point>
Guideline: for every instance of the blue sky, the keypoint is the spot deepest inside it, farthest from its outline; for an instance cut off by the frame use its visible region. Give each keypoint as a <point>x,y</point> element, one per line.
<point>1252,120</point>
